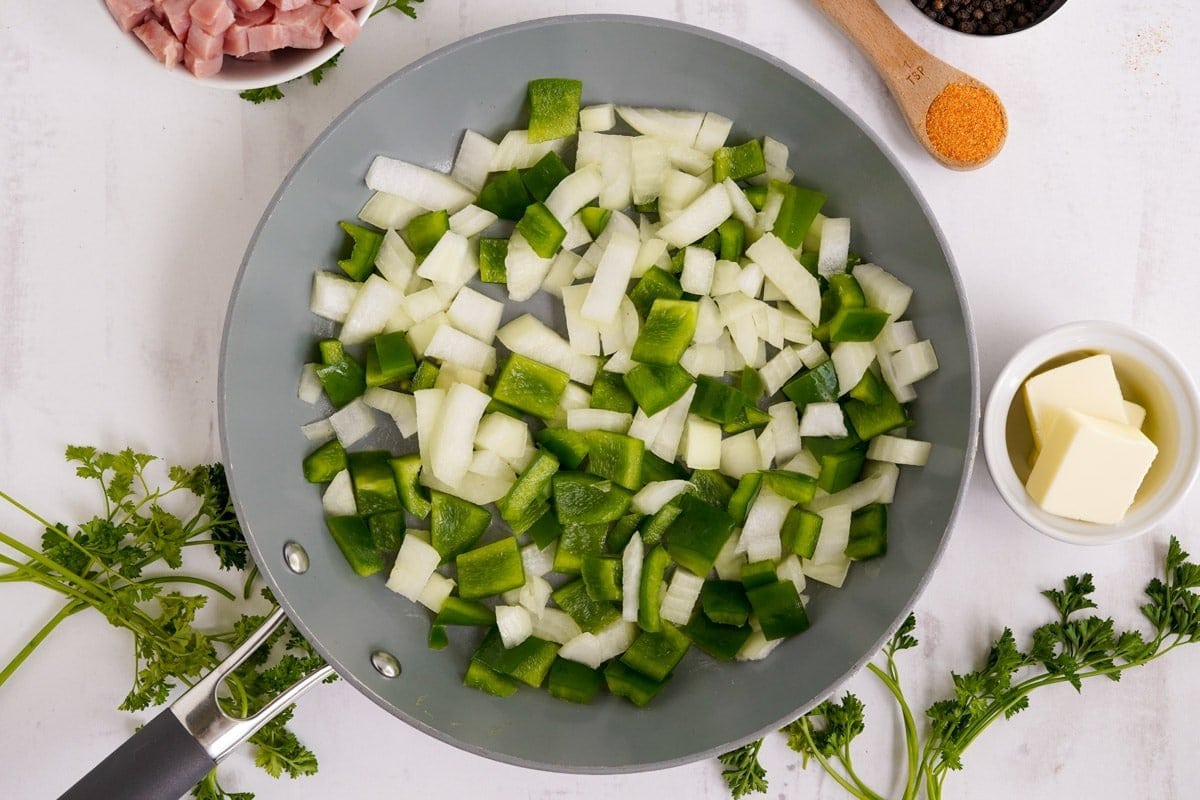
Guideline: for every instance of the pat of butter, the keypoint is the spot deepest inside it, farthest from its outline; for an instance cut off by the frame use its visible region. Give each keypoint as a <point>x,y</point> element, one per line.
<point>1135,415</point>
<point>1088,385</point>
<point>1090,468</point>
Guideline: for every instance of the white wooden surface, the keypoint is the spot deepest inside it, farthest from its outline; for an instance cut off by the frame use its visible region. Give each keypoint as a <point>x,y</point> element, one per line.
<point>128,197</point>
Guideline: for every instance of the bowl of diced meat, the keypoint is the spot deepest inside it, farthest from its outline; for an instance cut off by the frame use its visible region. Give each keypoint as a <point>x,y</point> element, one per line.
<point>240,44</point>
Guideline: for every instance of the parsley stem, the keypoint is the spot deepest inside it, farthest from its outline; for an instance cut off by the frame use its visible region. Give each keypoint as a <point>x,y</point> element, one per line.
<point>70,608</point>
<point>20,507</point>
<point>890,680</point>
<point>216,587</point>
<point>844,758</point>
<point>249,584</point>
<point>806,729</point>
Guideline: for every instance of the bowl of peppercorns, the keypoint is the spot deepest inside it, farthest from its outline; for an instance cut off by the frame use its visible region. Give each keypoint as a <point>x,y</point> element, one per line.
<point>988,17</point>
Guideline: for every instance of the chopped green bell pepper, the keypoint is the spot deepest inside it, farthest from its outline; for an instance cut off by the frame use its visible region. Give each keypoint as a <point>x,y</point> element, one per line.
<point>529,662</point>
<point>504,194</point>
<point>655,527</point>
<point>757,195</point>
<point>553,108</point>
<point>817,385</point>
<point>697,535</point>
<point>616,456</point>
<point>716,400</point>
<point>743,496</point>
<point>353,538</point>
<point>426,376</point>
<point>576,543</point>
<point>740,162</point>
<point>795,486</point>
<point>751,384</point>
<point>545,530</point>
<point>667,332</point>
<point>490,570</point>
<point>631,684</point>
<point>395,355</point>
<point>530,385</point>
<point>542,177</point>
<point>868,533</point>
<point>650,590</point>
<point>438,640</point>
<point>373,482</point>
<point>719,641</point>
<point>712,487</point>
<point>749,418</point>
<point>656,387</point>
<point>587,499</point>
<point>456,524</point>
<point>609,392</point>
<point>758,573</point>
<point>529,497</point>
<point>568,446</point>
<point>492,253</point>
<point>482,677</point>
<point>595,219</point>
<point>590,615</point>
<point>857,324</point>
<point>342,380</point>
<point>870,420</point>
<point>622,531</point>
<point>656,655</point>
<point>725,602</point>
<point>800,207</point>
<point>656,283</point>
<point>839,470</point>
<point>869,390</point>
<point>602,577</point>
<point>801,530</point>
<point>733,239</point>
<point>657,469</point>
<point>542,230</point>
<point>778,608</point>
<point>387,530</point>
<point>456,611</point>
<point>323,464</point>
<point>407,472</point>
<point>425,231</point>
<point>359,250</point>
<point>574,682</point>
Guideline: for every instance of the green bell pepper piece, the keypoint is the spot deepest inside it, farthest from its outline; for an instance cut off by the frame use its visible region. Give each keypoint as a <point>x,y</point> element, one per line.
<point>697,535</point>
<point>353,538</point>
<point>482,677</point>
<point>438,640</point>
<point>868,533</point>
<point>456,611</point>
<point>587,499</point>
<point>323,464</point>
<point>531,386</point>
<point>631,684</point>
<point>490,570</point>
<point>758,573</point>
<point>617,457</point>
<point>529,662</point>
<point>426,376</point>
<point>719,641</point>
<point>387,530</point>
<point>395,355</point>
<point>656,469</point>
<point>778,608</point>
<point>869,390</point>
<point>823,445</point>
<point>869,420</point>
<point>716,400</point>
<point>492,253</point>
<point>529,497</point>
<point>656,655</point>
<point>576,543</point>
<point>330,351</point>
<point>712,487</point>
<point>568,446</point>
<point>359,250</point>
<point>545,530</point>
<point>656,387</point>
<point>649,207</point>
<point>425,231</point>
<point>573,682</point>
<point>857,324</point>
<point>595,219</point>
<point>622,531</point>
<point>650,590</point>
<point>725,602</point>
<point>808,260</point>
<point>456,524</point>
<point>656,283</point>
<point>542,230</point>
<point>751,384</point>
<point>733,239</point>
<point>407,472</point>
<point>677,261</point>
<point>800,532</point>
<point>743,496</point>
<point>553,108</point>
<point>609,392</point>
<point>504,194</point>
<point>656,526</point>
<point>711,241</point>
<point>800,207</point>
<point>817,385</point>
<point>542,177</point>
<point>749,418</point>
<point>602,577</point>
<point>667,332</point>
<point>591,615</point>
<point>843,293</point>
<point>373,482</point>
<point>795,486</point>
<point>741,162</point>
<point>343,380</point>
<point>757,195</point>
<point>839,470</point>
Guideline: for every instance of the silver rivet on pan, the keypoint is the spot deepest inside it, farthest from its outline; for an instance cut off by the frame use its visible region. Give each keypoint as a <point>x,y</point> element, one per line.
<point>385,664</point>
<point>296,557</point>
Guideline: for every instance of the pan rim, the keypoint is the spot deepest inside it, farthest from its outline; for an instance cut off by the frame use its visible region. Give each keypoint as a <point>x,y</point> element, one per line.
<point>267,563</point>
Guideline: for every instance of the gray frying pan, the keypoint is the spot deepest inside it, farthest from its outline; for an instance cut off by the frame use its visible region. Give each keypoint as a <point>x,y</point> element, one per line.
<point>375,639</point>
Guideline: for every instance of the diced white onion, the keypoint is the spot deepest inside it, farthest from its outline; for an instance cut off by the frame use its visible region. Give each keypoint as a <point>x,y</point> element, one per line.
<point>524,269</point>
<point>650,252</point>
<point>886,475</point>
<point>310,387</point>
<point>503,435</point>
<point>823,419</point>
<point>476,314</point>
<point>701,443</point>
<point>780,369</point>
<point>796,283</point>
<point>454,437</point>
<point>395,261</point>
<point>583,334</point>
<point>401,407</point>
<point>352,422</point>
<point>851,361</point>
<point>674,126</point>
<point>730,560</point>
<point>318,431</point>
<point>338,498</point>
<point>436,590</point>
<point>555,625</point>
<point>703,359</point>
<point>766,448</point>
<point>472,221</point>
<point>389,211</point>
<point>835,535</point>
<point>813,355</point>
<point>649,164</point>
<point>681,596</point>
<point>597,118</point>
<point>714,130</point>
<point>594,649</point>
<point>760,535</point>
<point>740,206</point>
<point>449,261</point>
<point>332,295</point>
<point>612,279</point>
<point>423,304</point>
<point>515,151</point>
<point>699,219</point>
<point>529,336</point>
<point>914,361</point>
<point>452,345</point>
<point>429,403</point>
<point>785,425</point>
<point>631,577</point>
<point>489,465</point>
<point>574,192</point>
<point>598,419</point>
<point>415,563</point>
<point>699,264</point>
<point>899,451</point>
<point>883,290</point>
<point>475,155</point>
<point>666,443</point>
<point>895,335</point>
<point>805,463</point>
<point>426,188</point>
<point>740,454</point>
<point>835,246</point>
<point>515,625</point>
<point>656,494</point>
<point>617,168</point>
<point>790,570</point>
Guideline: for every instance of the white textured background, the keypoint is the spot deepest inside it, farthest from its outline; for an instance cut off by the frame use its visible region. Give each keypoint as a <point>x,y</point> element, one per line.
<point>127,198</point>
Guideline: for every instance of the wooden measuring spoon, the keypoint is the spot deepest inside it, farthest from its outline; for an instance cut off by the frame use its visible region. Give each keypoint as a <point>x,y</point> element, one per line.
<point>967,125</point>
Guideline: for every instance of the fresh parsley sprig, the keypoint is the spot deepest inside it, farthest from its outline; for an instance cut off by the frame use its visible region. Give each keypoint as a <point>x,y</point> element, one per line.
<point>106,564</point>
<point>1069,649</point>
<point>266,94</point>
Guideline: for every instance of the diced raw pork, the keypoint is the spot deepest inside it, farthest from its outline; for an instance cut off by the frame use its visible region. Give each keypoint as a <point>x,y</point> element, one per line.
<point>203,44</point>
<point>129,13</point>
<point>290,5</point>
<point>178,17</point>
<point>159,41</point>
<point>341,23</point>
<point>237,41</point>
<point>214,16</point>
<point>354,5</point>
<point>202,67</point>
<point>263,38</point>
<point>305,26</point>
<point>249,5</point>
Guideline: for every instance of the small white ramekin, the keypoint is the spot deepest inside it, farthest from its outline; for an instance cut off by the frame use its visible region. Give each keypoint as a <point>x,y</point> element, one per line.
<point>238,75</point>
<point>1150,376</point>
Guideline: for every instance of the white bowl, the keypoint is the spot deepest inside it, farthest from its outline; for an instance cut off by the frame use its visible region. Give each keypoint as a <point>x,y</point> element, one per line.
<point>1149,375</point>
<point>238,75</point>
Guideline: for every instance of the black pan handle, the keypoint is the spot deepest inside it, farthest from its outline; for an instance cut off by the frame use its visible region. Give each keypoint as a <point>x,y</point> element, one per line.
<point>178,748</point>
<point>161,761</point>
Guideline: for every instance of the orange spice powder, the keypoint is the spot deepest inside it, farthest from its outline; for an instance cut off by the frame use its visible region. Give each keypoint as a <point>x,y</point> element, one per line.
<point>966,123</point>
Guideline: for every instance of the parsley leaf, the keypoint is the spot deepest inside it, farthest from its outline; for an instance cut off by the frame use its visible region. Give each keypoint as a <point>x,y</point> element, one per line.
<point>743,774</point>
<point>262,95</point>
<point>403,6</point>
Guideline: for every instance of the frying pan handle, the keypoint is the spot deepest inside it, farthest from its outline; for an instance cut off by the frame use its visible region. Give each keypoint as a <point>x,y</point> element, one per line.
<point>178,748</point>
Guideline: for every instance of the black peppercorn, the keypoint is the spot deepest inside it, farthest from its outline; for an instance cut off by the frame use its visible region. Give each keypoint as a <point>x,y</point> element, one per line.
<point>987,17</point>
